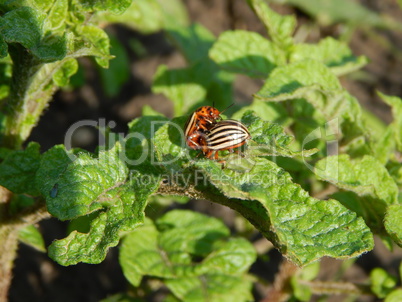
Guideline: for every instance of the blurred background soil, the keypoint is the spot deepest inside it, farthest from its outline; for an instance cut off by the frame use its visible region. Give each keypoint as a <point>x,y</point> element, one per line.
<point>37,278</point>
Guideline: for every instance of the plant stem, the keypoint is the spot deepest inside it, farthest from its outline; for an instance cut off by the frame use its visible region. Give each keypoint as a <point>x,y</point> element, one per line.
<point>261,222</point>
<point>24,67</point>
<point>30,93</point>
<point>336,288</point>
<point>8,251</point>
<point>8,246</point>
<point>9,230</point>
<point>280,290</point>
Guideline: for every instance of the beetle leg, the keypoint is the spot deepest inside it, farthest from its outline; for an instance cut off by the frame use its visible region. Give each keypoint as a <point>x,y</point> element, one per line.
<point>237,151</point>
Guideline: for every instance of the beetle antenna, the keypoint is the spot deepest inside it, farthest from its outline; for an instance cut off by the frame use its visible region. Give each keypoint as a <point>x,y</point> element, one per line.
<point>227,108</point>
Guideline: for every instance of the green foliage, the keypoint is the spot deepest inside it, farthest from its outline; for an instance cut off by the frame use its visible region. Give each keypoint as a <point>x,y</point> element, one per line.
<point>88,194</point>
<point>334,11</point>
<point>275,141</point>
<point>381,282</point>
<point>181,85</point>
<point>31,236</point>
<point>194,41</point>
<point>333,53</point>
<point>280,28</point>
<point>148,16</point>
<point>117,74</point>
<point>18,170</point>
<point>392,223</point>
<point>23,25</point>
<point>271,201</point>
<point>116,7</point>
<point>62,76</point>
<point>43,41</point>
<point>370,188</point>
<point>163,250</point>
<point>395,128</point>
<point>272,182</point>
<point>246,52</point>
<point>302,291</point>
<point>188,87</point>
<point>394,296</point>
<point>86,187</point>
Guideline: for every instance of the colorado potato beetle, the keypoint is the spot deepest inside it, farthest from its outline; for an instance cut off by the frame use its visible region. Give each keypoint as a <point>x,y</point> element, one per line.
<point>224,135</point>
<point>200,121</point>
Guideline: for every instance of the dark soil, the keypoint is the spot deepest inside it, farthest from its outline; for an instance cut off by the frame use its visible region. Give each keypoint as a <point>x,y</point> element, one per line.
<point>38,278</point>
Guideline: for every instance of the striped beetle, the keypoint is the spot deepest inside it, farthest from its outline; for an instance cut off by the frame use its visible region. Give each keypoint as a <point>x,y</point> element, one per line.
<point>224,135</point>
<point>200,121</point>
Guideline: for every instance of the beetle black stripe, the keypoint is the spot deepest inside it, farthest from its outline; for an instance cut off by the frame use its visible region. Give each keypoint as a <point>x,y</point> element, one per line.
<point>229,125</point>
<point>214,138</point>
<point>223,129</point>
<point>226,134</point>
<point>231,140</point>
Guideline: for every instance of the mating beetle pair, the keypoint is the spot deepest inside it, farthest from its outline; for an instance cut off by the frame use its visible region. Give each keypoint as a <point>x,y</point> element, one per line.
<point>206,131</point>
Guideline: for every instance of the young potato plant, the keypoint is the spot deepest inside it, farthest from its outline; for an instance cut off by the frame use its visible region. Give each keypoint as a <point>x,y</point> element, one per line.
<point>308,134</point>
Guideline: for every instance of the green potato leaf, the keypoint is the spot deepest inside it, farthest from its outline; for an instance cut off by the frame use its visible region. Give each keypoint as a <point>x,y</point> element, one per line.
<point>18,170</point>
<point>165,250</point>
<point>84,185</point>
<point>114,6</point>
<point>284,82</point>
<point>212,287</point>
<point>333,53</point>
<point>301,227</point>
<point>100,185</point>
<point>57,15</point>
<point>365,177</point>
<point>392,223</point>
<point>314,82</point>
<point>184,87</point>
<point>62,75</point>
<point>337,11</point>
<point>139,147</point>
<point>193,41</point>
<point>394,296</point>
<point>169,151</point>
<point>246,52</point>
<point>201,232</point>
<point>23,25</point>
<point>31,236</point>
<point>148,16</point>
<point>53,163</point>
<point>270,138</point>
<point>3,50</point>
<point>267,111</point>
<point>396,126</point>
<point>114,77</point>
<point>265,194</point>
<point>382,283</point>
<point>142,15</point>
<point>280,28</point>
<point>99,40</point>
